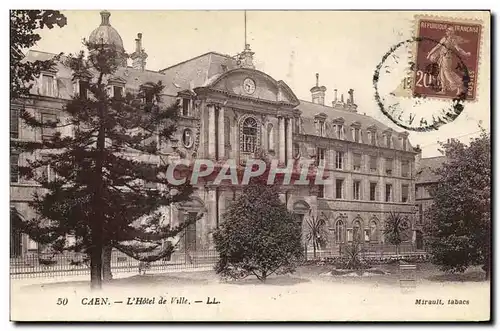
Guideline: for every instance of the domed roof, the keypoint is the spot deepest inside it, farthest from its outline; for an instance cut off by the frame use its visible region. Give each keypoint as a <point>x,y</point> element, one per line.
<point>105,33</point>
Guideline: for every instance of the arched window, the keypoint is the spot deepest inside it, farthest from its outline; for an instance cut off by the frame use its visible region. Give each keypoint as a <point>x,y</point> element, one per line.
<point>249,135</point>
<point>270,137</point>
<point>339,231</point>
<point>357,231</point>
<point>373,231</point>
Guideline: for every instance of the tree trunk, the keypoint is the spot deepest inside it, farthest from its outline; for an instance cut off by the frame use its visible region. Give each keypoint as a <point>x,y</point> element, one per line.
<point>106,263</point>
<point>314,250</point>
<point>96,263</point>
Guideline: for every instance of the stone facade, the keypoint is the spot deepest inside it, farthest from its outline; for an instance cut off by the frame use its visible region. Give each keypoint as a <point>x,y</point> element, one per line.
<point>230,110</point>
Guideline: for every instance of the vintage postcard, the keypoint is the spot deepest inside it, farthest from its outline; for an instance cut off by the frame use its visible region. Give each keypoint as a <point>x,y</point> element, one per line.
<point>250,166</point>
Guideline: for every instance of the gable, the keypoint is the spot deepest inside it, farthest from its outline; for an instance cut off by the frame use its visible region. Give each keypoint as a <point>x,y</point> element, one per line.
<point>264,87</point>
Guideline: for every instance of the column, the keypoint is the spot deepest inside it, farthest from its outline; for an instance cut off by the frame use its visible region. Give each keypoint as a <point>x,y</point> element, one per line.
<point>281,128</point>
<point>289,147</point>
<point>211,218</point>
<point>211,131</point>
<point>220,145</point>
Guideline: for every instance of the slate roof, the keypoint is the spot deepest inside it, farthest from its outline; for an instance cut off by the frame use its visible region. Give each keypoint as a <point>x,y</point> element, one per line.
<point>425,172</point>
<point>203,69</point>
<point>310,110</point>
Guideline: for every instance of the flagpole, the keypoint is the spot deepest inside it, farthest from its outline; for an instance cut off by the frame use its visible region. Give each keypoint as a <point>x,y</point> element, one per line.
<point>245,46</point>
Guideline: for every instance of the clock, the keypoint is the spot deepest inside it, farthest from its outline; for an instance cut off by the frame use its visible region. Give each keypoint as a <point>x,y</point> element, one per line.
<point>248,86</point>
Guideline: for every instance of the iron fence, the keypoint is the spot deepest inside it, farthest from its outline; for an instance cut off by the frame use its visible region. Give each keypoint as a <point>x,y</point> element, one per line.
<point>367,250</point>
<point>70,263</point>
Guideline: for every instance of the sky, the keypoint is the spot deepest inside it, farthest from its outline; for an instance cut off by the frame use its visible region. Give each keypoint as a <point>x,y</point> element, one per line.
<point>343,47</point>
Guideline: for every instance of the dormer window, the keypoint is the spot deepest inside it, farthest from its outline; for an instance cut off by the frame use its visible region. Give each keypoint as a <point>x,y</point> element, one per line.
<point>49,85</point>
<point>372,135</point>
<point>320,124</point>
<point>322,128</point>
<point>117,91</point>
<point>339,131</point>
<point>83,89</point>
<point>148,96</point>
<point>405,143</point>
<point>388,140</point>
<point>356,132</point>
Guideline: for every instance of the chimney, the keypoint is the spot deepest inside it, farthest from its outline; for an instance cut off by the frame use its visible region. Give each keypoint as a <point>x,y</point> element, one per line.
<point>318,92</point>
<point>342,98</point>
<point>335,95</point>
<point>139,56</point>
<point>138,43</point>
<point>418,158</point>
<point>351,96</point>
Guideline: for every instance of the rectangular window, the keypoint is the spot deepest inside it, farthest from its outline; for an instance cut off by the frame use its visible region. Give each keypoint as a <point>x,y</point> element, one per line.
<point>404,193</point>
<point>320,156</point>
<point>185,107</point>
<point>321,191</point>
<point>373,191</point>
<point>388,192</point>
<point>48,86</point>
<point>339,160</point>
<point>420,214</point>
<point>405,143</point>
<point>48,132</point>
<point>14,123</point>
<point>356,161</point>
<point>83,86</point>
<point>388,166</point>
<point>339,183</point>
<point>356,190</point>
<point>48,173</point>
<point>14,168</point>
<point>405,168</point>
<point>349,235</point>
<point>373,163</point>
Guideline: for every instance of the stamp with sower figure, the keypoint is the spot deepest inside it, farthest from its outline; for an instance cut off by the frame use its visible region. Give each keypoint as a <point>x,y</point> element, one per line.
<point>457,46</point>
<point>425,81</point>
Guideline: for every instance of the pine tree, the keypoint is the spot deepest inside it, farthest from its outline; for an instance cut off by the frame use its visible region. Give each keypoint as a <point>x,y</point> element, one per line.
<point>99,193</point>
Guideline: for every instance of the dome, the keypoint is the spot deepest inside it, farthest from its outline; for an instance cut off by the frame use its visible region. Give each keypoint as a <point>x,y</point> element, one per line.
<point>106,33</point>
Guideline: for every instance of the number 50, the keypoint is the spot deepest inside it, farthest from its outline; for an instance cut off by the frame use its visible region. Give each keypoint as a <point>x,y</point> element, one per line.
<point>62,301</point>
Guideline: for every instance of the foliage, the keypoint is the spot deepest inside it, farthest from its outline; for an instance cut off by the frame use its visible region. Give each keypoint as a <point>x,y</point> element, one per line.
<point>352,258</point>
<point>104,170</point>
<point>23,24</point>
<point>258,236</point>
<point>396,229</point>
<point>459,229</point>
<point>316,232</point>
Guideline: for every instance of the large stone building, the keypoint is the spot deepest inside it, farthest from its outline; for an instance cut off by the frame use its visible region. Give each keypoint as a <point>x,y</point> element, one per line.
<point>231,110</point>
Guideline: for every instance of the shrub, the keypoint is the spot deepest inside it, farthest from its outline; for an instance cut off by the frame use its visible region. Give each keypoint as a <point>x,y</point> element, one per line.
<point>258,236</point>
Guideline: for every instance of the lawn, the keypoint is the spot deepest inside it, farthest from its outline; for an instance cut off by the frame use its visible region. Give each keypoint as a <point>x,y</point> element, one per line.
<point>305,295</point>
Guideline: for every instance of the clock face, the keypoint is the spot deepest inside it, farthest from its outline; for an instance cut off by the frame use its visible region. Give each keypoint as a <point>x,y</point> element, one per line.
<point>249,85</point>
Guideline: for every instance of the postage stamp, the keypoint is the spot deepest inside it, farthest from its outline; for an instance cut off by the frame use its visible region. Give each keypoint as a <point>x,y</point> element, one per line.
<point>425,81</point>
<point>445,47</point>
